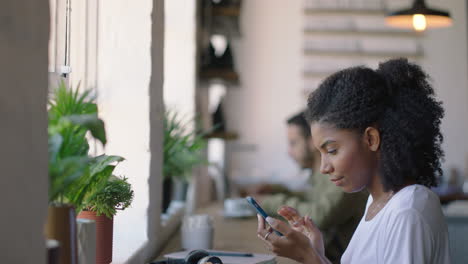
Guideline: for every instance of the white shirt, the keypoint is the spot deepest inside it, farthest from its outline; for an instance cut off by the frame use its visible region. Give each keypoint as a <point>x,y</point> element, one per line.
<point>410,228</point>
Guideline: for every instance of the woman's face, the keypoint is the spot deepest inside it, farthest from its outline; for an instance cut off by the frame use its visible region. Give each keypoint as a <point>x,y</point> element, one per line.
<point>348,157</point>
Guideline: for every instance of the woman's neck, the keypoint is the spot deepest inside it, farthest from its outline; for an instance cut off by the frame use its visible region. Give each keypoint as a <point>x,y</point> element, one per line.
<point>376,189</point>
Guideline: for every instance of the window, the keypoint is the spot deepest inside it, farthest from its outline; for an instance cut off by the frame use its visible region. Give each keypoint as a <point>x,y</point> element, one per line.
<point>115,48</point>
<point>73,46</point>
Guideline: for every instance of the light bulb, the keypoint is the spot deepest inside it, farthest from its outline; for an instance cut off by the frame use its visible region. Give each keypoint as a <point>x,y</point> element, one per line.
<point>419,22</point>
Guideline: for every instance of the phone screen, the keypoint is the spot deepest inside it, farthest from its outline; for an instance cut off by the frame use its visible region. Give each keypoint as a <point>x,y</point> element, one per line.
<point>260,210</point>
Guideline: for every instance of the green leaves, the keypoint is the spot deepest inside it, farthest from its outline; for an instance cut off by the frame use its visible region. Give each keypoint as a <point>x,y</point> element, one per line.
<point>65,102</point>
<point>64,175</point>
<point>183,146</point>
<point>75,177</point>
<point>86,188</point>
<point>71,115</point>
<point>91,123</point>
<point>103,161</point>
<point>116,194</point>
<point>101,170</point>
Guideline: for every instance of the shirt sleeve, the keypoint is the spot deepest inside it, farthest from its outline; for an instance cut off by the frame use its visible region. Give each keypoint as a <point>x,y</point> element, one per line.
<point>408,239</point>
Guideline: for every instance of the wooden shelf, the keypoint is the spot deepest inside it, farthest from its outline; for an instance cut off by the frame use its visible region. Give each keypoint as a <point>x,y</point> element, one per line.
<point>370,54</point>
<point>224,74</point>
<point>223,135</point>
<point>332,11</point>
<point>366,33</point>
<point>226,11</point>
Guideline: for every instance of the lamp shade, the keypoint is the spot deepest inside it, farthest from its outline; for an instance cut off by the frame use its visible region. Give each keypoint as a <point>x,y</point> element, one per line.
<point>419,17</point>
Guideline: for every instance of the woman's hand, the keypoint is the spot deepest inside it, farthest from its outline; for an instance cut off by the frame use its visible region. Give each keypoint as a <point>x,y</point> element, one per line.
<point>289,213</point>
<point>304,225</point>
<point>293,244</point>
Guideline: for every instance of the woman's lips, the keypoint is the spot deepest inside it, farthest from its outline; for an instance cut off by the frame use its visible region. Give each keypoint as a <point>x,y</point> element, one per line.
<point>337,180</point>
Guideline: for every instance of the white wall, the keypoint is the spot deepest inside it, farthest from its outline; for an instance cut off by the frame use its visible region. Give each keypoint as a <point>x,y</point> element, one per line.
<point>269,61</point>
<point>24,31</point>
<point>130,99</point>
<point>179,57</point>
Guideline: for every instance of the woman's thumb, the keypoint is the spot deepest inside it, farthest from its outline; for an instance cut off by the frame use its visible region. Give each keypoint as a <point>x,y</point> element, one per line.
<point>310,225</point>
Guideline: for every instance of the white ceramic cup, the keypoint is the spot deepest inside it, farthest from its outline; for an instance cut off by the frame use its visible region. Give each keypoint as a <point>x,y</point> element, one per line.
<point>197,232</point>
<point>197,238</point>
<point>237,205</point>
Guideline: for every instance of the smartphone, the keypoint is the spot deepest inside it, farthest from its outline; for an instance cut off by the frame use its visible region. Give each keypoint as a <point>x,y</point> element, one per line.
<point>260,210</point>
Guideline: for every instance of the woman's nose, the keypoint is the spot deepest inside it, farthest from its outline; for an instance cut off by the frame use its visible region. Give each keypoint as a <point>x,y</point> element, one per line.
<point>325,167</point>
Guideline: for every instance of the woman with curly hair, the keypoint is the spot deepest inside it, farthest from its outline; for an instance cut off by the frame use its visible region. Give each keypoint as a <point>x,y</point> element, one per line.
<point>379,130</point>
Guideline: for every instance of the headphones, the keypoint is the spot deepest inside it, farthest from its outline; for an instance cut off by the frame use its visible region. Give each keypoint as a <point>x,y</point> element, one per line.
<point>201,257</point>
<point>194,257</point>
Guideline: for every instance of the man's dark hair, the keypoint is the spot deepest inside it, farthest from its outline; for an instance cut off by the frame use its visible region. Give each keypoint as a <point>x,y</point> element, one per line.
<point>399,101</point>
<point>300,121</point>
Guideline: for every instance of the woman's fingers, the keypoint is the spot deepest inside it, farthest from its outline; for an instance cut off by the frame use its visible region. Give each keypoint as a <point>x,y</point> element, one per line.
<point>292,216</point>
<point>289,210</point>
<point>298,225</point>
<point>266,234</point>
<point>289,213</point>
<point>261,223</point>
<point>292,245</point>
<point>310,225</point>
<point>279,225</point>
<point>262,229</point>
<point>263,232</point>
<point>314,235</point>
<point>296,242</point>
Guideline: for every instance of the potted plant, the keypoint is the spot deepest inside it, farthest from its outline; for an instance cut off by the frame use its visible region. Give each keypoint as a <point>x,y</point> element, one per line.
<point>182,151</point>
<point>73,174</point>
<point>116,194</point>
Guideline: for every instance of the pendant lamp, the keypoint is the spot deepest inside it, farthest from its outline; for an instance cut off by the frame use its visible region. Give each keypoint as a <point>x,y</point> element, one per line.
<point>419,17</point>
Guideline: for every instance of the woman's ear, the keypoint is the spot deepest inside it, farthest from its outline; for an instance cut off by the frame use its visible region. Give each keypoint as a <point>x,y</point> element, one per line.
<point>372,138</point>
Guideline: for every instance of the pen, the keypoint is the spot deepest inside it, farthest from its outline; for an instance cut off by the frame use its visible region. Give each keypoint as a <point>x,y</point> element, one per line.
<point>230,254</point>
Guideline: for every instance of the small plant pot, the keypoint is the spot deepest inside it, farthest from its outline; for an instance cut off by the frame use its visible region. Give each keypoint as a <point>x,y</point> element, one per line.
<point>104,232</point>
<point>180,190</point>
<point>61,226</point>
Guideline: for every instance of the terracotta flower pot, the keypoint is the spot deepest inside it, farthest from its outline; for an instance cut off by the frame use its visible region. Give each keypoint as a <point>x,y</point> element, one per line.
<point>104,232</point>
<point>61,226</point>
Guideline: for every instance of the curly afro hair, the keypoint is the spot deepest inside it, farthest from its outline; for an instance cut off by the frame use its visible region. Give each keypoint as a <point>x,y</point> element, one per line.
<point>396,98</point>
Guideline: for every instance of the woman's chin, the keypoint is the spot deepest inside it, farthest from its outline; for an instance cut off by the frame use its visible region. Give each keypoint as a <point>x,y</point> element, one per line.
<point>352,189</point>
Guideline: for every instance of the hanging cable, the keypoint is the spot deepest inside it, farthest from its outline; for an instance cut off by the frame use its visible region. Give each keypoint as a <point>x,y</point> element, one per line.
<point>67,37</point>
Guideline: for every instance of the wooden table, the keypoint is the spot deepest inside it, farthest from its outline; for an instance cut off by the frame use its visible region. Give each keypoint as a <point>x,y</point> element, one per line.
<point>231,234</point>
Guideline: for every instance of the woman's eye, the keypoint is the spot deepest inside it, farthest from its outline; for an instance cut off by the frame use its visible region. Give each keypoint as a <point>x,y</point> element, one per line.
<point>331,151</point>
